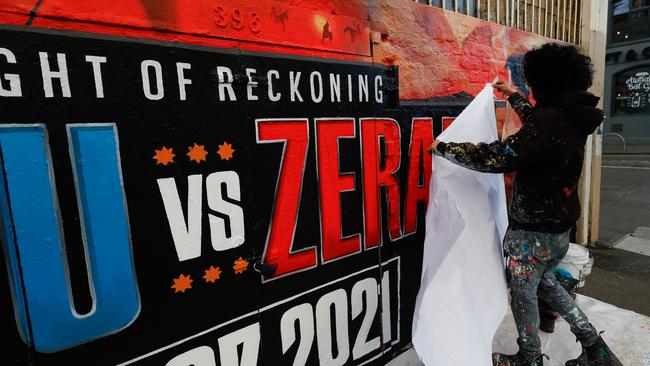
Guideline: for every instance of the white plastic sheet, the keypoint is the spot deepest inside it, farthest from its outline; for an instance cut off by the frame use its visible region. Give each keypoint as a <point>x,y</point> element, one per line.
<point>463,296</point>
<point>626,332</point>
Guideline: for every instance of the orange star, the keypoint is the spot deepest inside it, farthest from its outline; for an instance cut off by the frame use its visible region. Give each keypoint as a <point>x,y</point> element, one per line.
<point>225,151</point>
<point>182,283</point>
<point>197,153</point>
<point>212,274</point>
<point>240,265</point>
<point>164,156</point>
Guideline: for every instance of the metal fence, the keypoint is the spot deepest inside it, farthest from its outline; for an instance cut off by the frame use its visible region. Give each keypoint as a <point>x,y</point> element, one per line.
<point>557,19</point>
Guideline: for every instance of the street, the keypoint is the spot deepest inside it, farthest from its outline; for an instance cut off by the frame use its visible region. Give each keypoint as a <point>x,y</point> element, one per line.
<point>625,194</point>
<point>621,273</point>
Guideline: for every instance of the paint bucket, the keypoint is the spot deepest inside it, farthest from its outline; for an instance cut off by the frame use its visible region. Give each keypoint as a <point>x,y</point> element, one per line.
<point>577,262</point>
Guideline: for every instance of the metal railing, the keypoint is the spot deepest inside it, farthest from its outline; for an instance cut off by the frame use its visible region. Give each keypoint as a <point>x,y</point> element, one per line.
<point>557,19</point>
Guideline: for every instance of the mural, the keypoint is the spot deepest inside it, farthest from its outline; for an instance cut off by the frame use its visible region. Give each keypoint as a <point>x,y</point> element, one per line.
<point>249,194</point>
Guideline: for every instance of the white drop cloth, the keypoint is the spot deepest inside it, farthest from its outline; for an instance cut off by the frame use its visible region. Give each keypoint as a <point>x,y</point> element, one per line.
<point>463,298</point>
<point>626,332</point>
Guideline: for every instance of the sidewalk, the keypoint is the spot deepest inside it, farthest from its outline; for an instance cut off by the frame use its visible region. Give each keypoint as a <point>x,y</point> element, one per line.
<point>629,149</point>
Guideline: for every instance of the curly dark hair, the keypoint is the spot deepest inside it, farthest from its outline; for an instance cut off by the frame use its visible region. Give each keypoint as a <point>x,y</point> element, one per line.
<point>555,68</point>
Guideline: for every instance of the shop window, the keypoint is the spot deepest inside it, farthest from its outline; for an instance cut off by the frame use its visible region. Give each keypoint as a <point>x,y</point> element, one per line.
<point>619,28</point>
<point>639,24</point>
<point>632,91</point>
<point>630,20</point>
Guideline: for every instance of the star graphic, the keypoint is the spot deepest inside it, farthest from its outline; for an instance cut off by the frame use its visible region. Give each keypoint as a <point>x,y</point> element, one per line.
<point>182,283</point>
<point>212,274</point>
<point>240,265</point>
<point>164,156</point>
<point>197,153</point>
<point>225,151</point>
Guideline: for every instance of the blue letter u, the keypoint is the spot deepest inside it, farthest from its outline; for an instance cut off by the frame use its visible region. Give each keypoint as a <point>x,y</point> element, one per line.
<point>34,244</point>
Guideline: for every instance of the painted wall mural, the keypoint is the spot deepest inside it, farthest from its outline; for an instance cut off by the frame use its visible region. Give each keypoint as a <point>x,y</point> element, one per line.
<point>251,193</point>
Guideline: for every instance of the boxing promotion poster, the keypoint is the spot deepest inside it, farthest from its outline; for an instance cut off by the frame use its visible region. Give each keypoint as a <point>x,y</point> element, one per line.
<point>174,205</point>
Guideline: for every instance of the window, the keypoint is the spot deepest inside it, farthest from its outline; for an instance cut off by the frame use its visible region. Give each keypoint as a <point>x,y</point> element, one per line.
<point>630,20</point>
<point>636,4</point>
<point>619,28</point>
<point>639,24</point>
<point>632,91</point>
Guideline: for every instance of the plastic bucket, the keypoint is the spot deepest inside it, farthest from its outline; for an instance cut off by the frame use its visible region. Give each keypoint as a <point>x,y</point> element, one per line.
<point>577,262</point>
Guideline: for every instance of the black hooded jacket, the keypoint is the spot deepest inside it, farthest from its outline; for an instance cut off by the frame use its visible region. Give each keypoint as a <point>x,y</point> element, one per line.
<point>547,153</point>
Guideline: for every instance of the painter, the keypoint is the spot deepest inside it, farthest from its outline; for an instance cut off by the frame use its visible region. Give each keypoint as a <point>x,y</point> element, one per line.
<point>547,155</point>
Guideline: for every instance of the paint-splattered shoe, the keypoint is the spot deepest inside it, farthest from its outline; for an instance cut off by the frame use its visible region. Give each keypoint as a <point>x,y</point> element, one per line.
<point>515,360</point>
<point>598,354</point>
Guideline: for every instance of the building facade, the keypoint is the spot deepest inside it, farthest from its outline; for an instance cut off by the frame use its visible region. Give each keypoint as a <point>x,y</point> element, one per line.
<point>627,78</point>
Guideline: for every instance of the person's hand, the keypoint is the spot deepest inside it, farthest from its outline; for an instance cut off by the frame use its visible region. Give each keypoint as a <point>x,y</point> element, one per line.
<point>505,88</point>
<point>433,146</point>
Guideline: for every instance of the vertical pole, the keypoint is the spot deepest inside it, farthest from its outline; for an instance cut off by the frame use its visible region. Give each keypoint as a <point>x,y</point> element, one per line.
<point>575,21</point>
<point>525,15</point>
<point>539,17</point>
<point>564,37</point>
<point>489,10</point>
<point>582,234</point>
<point>593,27</point>
<point>570,20</point>
<point>597,48</point>
<point>552,18</point>
<point>532,17</point>
<point>499,11</point>
<point>546,19</point>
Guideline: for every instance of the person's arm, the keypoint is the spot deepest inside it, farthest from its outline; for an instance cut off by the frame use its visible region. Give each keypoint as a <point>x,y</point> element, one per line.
<point>521,105</point>
<point>496,157</point>
<point>523,148</point>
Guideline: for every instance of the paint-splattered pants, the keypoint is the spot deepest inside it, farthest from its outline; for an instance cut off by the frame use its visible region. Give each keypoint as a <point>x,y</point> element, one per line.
<point>532,257</point>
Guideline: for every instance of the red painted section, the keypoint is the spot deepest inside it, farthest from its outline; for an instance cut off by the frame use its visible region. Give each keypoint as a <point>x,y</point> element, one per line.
<point>282,23</point>
<point>331,184</point>
<point>189,39</point>
<point>13,18</point>
<point>421,139</point>
<point>439,53</point>
<point>15,12</point>
<point>130,32</point>
<point>447,121</point>
<point>376,176</point>
<point>295,135</point>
